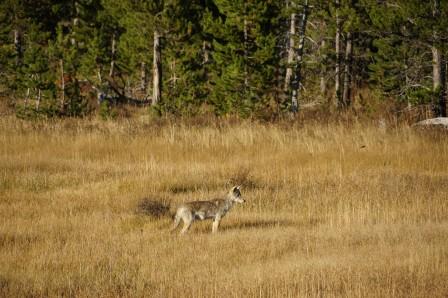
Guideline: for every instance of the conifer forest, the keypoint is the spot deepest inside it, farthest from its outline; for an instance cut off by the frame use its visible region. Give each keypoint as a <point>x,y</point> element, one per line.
<point>239,57</point>
<point>129,128</point>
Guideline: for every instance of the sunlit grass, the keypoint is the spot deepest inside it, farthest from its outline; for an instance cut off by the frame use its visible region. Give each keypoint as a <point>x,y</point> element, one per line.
<point>331,210</point>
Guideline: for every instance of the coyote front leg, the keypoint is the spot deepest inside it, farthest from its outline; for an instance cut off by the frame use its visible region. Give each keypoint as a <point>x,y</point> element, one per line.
<point>216,224</point>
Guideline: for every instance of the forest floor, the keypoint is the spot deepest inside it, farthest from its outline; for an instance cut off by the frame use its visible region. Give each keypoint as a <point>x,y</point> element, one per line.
<point>331,210</point>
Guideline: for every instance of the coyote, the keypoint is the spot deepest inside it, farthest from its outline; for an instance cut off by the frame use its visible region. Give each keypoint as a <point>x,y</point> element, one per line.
<point>214,209</point>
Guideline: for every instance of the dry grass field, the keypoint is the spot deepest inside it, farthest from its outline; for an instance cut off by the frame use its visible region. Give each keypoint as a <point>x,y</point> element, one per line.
<point>331,211</point>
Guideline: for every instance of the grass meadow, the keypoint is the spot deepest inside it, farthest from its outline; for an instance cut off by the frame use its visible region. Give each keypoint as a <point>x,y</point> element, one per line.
<point>332,210</point>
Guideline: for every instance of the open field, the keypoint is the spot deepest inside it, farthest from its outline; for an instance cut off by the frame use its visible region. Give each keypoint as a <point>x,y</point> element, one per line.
<point>331,211</point>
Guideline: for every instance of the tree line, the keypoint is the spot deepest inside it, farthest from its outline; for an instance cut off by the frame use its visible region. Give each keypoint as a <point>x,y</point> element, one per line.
<point>245,57</point>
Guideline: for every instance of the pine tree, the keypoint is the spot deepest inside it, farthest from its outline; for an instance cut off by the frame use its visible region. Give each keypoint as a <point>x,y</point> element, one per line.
<point>185,79</point>
<point>413,30</point>
<point>243,54</point>
<point>12,26</point>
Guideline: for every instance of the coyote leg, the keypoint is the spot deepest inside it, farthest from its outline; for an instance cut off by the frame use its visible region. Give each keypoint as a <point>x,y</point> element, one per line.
<point>215,225</point>
<point>176,223</point>
<point>188,220</point>
<point>187,225</point>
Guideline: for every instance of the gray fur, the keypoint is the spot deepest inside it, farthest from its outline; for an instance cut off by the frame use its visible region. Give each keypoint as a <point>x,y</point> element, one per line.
<point>200,210</point>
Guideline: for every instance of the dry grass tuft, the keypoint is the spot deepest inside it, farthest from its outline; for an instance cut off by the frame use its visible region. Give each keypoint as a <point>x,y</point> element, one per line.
<point>331,210</point>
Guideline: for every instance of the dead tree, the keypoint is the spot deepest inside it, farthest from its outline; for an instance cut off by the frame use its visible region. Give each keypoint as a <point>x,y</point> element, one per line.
<point>297,73</point>
<point>157,69</point>
<point>346,93</point>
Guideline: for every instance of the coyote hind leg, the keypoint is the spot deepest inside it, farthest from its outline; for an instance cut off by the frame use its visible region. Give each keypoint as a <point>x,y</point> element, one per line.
<point>176,223</point>
<point>187,224</point>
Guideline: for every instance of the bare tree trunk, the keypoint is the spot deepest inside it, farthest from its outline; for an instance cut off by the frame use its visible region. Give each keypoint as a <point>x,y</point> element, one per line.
<point>112,56</point>
<point>436,54</point>
<point>439,81</point>
<point>99,88</point>
<point>75,23</point>
<point>17,46</point>
<point>347,71</point>
<point>27,97</point>
<point>297,75</point>
<point>438,67</point>
<point>73,39</point>
<point>337,78</point>
<point>444,95</point>
<point>322,84</point>
<point>157,70</point>
<point>291,50</point>
<point>205,51</point>
<point>246,79</point>
<point>143,76</point>
<point>407,80</point>
<point>39,96</point>
<point>206,59</point>
<point>61,65</point>
<point>98,74</point>
<point>173,78</point>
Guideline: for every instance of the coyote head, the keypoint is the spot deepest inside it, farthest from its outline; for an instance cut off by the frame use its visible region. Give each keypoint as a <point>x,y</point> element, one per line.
<point>235,195</point>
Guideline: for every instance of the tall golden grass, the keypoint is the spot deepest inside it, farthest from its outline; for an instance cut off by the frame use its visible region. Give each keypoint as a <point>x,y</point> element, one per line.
<point>331,210</point>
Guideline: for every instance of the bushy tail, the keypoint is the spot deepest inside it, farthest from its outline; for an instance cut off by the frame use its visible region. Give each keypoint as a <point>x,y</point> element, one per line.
<point>154,208</point>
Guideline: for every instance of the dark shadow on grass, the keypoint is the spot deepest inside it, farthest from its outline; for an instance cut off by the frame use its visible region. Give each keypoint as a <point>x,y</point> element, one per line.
<point>257,224</point>
<point>205,227</point>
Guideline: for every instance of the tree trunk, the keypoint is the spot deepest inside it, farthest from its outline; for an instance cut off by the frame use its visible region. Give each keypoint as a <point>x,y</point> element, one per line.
<point>98,74</point>
<point>246,79</point>
<point>143,76</point>
<point>322,84</point>
<point>39,96</point>
<point>297,75</point>
<point>61,65</point>
<point>443,97</point>
<point>291,50</point>
<point>27,97</point>
<point>157,70</point>
<point>205,52</point>
<point>112,57</point>
<point>206,59</point>
<point>17,46</point>
<point>173,78</point>
<point>406,80</point>
<point>337,78</point>
<point>347,71</point>
<point>439,81</point>
<point>75,23</point>
<point>438,67</point>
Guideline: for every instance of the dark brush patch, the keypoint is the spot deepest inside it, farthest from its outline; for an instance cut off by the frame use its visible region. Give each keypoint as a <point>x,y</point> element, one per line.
<point>153,207</point>
<point>244,178</point>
